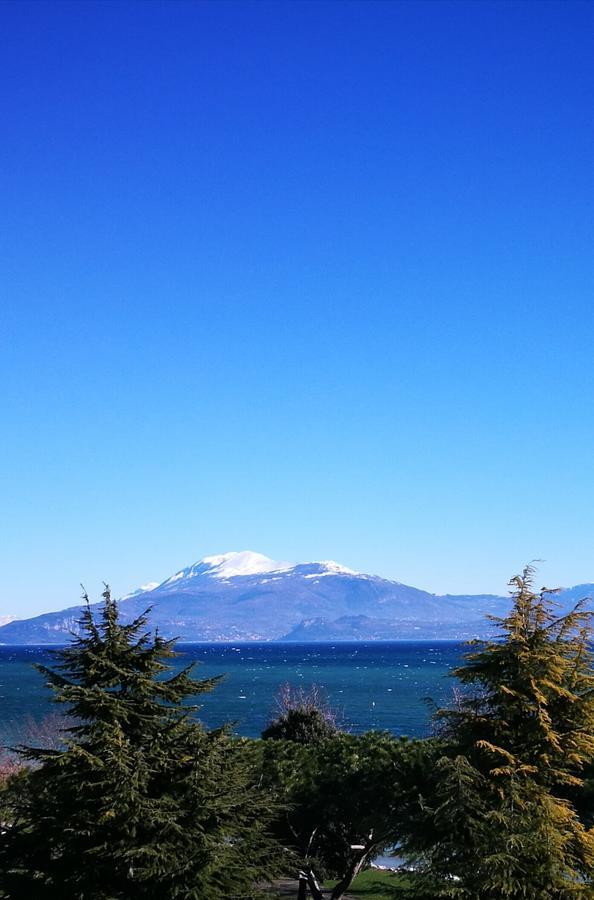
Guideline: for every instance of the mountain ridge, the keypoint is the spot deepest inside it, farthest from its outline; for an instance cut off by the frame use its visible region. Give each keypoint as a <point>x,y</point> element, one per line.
<point>246,596</point>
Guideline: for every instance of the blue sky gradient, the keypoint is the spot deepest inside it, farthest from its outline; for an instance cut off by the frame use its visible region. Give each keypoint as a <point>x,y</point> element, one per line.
<point>312,279</point>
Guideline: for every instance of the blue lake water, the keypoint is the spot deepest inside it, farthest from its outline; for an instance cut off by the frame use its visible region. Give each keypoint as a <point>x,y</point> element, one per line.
<point>380,685</point>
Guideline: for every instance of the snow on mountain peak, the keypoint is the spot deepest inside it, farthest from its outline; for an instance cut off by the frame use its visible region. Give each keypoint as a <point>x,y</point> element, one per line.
<point>148,587</point>
<point>230,565</point>
<point>246,562</point>
<point>143,589</point>
<point>334,568</point>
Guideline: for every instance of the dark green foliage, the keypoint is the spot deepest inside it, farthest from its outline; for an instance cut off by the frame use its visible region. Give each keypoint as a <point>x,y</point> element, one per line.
<point>300,725</point>
<point>142,802</point>
<point>346,798</point>
<point>303,716</point>
<point>497,815</point>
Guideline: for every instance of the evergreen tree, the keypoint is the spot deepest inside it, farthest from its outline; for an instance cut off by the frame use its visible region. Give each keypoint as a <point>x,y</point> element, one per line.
<point>141,802</point>
<point>497,823</point>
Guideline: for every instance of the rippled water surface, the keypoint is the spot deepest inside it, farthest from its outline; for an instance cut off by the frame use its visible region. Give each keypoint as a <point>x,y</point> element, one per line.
<point>372,685</point>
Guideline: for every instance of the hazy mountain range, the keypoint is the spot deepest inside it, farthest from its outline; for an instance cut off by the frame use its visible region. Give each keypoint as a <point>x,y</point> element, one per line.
<point>247,596</point>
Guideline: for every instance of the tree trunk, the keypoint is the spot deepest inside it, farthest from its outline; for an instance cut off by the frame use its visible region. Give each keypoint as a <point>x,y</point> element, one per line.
<point>302,894</point>
<point>348,877</point>
<point>313,885</point>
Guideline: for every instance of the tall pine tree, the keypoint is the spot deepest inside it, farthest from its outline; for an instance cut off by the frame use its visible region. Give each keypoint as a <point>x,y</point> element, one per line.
<point>141,802</point>
<point>498,824</point>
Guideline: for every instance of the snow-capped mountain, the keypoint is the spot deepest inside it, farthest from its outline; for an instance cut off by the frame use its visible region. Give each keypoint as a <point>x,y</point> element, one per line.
<point>229,565</point>
<point>245,564</point>
<point>247,596</point>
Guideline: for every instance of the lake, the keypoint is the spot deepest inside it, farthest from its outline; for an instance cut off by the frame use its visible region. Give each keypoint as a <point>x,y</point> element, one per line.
<point>376,685</point>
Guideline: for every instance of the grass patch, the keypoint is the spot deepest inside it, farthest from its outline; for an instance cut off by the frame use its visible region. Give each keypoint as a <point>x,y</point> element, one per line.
<point>373,884</point>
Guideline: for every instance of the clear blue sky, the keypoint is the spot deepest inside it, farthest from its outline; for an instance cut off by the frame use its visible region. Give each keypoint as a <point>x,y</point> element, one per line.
<point>313,279</point>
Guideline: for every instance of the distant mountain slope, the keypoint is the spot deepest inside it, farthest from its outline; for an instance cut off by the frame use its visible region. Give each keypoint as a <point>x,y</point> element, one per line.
<point>247,596</point>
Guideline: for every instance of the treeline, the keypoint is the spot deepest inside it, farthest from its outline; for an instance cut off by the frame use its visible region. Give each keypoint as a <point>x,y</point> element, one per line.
<point>141,801</point>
